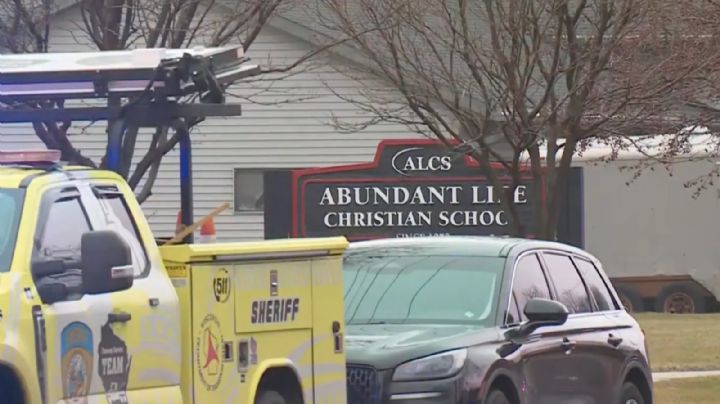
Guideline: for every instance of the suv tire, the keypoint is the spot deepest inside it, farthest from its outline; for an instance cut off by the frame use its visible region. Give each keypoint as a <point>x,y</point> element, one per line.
<point>498,397</point>
<point>631,394</point>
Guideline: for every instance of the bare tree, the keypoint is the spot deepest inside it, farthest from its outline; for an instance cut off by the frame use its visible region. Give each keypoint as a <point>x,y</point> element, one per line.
<point>687,30</point>
<point>505,80</point>
<point>122,24</point>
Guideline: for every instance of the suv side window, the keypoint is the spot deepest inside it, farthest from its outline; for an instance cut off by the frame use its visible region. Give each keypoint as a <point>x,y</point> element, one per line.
<point>512,316</point>
<point>595,283</point>
<point>529,282</point>
<point>570,287</point>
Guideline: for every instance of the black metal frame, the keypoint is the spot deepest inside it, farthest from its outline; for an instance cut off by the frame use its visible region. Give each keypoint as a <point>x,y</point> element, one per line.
<point>155,106</point>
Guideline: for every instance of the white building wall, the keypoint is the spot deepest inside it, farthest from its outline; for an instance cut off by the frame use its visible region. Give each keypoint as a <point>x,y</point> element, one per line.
<point>268,135</point>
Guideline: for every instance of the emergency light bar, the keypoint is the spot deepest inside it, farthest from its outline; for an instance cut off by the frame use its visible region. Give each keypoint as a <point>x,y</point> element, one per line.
<point>120,73</point>
<point>30,157</point>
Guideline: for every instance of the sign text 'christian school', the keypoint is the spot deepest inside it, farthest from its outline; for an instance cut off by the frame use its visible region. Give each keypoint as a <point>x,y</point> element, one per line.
<point>424,197</point>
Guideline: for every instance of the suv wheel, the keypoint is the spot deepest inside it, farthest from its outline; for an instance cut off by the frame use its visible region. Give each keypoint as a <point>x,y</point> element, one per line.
<point>498,397</point>
<point>631,394</point>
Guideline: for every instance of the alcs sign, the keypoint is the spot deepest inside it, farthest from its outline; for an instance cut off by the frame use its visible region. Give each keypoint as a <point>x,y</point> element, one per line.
<point>412,188</point>
<point>411,160</point>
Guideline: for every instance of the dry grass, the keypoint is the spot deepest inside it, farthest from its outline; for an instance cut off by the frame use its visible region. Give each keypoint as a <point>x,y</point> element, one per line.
<point>682,341</point>
<point>701,390</point>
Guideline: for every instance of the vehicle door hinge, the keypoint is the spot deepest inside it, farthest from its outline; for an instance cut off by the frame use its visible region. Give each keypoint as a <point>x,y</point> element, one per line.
<point>40,350</point>
<point>337,337</point>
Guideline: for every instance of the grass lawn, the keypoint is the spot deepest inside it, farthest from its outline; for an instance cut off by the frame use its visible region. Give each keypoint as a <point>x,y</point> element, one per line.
<point>701,390</point>
<point>683,342</point>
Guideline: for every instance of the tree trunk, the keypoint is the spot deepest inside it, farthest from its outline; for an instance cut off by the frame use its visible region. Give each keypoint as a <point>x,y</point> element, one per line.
<point>518,229</point>
<point>538,179</point>
<point>128,150</point>
<point>559,187</point>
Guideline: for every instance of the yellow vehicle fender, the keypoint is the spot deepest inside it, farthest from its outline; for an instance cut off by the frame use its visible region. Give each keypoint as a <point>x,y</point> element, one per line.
<point>266,365</point>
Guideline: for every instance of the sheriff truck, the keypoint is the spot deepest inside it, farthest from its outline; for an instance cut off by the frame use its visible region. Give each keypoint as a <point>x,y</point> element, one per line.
<point>93,309</point>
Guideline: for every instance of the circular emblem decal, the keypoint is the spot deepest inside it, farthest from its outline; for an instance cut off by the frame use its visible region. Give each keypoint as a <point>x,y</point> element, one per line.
<point>208,348</point>
<point>76,346</point>
<point>221,286</point>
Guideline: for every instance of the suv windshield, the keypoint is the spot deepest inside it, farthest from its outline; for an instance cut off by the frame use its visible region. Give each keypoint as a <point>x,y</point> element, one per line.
<point>420,286</point>
<point>10,206</point>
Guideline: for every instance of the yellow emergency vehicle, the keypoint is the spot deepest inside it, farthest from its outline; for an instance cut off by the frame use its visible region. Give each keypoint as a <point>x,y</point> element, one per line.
<point>92,310</point>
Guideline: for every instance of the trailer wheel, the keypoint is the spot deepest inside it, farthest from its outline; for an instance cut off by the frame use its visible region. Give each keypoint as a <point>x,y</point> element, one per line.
<point>629,298</point>
<point>681,298</point>
<point>270,397</point>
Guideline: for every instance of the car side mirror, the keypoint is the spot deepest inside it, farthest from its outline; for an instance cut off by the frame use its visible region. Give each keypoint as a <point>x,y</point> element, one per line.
<point>106,262</point>
<point>540,313</point>
<point>546,312</point>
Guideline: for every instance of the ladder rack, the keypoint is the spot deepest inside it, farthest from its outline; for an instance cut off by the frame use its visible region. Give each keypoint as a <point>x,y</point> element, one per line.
<point>154,87</point>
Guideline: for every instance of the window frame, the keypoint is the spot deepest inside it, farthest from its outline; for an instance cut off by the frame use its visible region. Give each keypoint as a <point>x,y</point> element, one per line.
<point>512,302</point>
<point>20,198</point>
<point>614,303</point>
<point>51,197</point>
<point>235,171</point>
<point>568,255</point>
<point>511,290</point>
<point>113,189</point>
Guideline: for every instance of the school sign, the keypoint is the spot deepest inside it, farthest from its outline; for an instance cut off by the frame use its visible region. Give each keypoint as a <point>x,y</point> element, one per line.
<point>412,188</point>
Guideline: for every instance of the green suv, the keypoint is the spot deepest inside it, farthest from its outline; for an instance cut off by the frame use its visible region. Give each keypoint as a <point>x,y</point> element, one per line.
<point>487,320</point>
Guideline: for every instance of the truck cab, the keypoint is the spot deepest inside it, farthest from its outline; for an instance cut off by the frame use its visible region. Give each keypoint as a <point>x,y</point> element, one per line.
<point>76,310</point>
<point>93,310</point>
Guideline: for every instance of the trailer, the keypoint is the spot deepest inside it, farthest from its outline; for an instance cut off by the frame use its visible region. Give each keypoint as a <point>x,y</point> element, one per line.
<point>655,237</point>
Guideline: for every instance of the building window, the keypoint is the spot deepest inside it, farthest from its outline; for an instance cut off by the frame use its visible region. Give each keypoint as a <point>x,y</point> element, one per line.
<point>249,190</point>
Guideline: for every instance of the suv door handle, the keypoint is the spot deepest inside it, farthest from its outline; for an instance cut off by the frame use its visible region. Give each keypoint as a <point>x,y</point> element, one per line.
<point>119,317</point>
<point>614,341</point>
<point>567,345</point>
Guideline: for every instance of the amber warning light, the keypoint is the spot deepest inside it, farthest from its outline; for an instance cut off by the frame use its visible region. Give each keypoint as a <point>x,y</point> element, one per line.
<point>29,156</point>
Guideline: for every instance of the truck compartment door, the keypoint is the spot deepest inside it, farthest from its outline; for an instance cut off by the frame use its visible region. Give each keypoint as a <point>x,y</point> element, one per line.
<point>248,316</point>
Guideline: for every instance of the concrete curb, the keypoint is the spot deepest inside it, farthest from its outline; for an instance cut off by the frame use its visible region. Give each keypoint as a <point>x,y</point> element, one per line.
<point>662,376</point>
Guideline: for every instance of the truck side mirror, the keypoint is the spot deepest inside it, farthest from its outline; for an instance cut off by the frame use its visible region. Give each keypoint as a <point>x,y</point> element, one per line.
<point>106,262</point>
